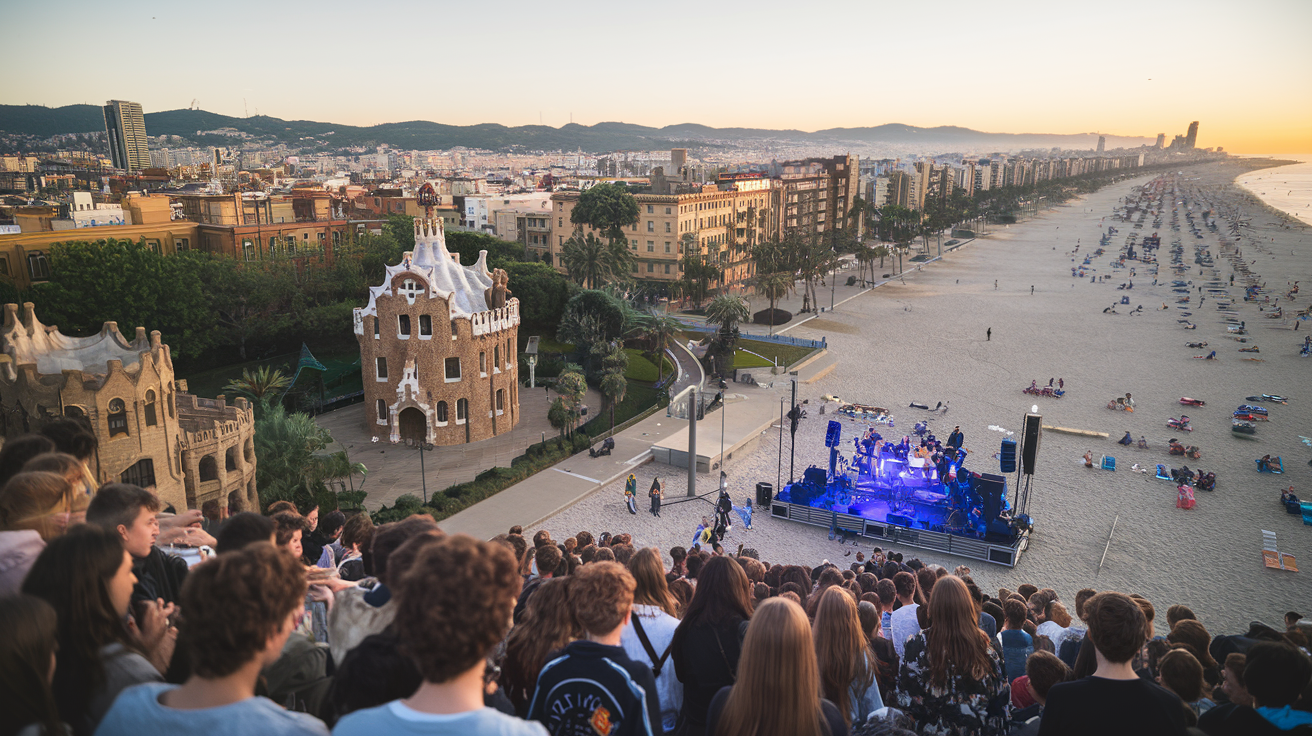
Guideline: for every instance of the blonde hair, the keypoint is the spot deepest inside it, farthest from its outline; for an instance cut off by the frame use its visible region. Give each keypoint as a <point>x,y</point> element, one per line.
<point>39,501</point>
<point>762,702</point>
<point>840,647</point>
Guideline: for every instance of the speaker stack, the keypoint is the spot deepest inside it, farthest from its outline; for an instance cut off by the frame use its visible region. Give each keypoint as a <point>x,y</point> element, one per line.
<point>1029,449</point>
<point>1007,457</point>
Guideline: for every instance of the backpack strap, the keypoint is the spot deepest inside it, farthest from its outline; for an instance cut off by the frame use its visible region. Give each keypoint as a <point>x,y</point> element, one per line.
<point>656,662</point>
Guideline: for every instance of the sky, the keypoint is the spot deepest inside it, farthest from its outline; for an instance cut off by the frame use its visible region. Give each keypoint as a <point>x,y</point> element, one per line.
<point>1242,68</point>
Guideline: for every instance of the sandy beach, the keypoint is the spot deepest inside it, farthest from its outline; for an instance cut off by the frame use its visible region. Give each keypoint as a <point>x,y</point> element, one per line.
<point>925,342</point>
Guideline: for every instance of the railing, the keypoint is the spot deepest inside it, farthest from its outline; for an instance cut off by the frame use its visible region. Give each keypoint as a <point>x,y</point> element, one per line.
<point>802,342</point>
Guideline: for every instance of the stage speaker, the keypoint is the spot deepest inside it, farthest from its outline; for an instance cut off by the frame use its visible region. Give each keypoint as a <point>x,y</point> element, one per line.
<point>1029,449</point>
<point>833,434</point>
<point>815,477</point>
<point>899,520</point>
<point>999,532</point>
<point>764,494</point>
<point>1007,457</point>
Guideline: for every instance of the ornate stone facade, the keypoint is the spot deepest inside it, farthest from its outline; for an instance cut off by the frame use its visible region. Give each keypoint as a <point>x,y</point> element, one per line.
<point>438,347</point>
<point>150,431</point>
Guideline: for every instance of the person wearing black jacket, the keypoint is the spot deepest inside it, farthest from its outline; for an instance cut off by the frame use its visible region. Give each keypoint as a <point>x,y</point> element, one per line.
<point>593,687</point>
<point>708,642</point>
<point>130,511</point>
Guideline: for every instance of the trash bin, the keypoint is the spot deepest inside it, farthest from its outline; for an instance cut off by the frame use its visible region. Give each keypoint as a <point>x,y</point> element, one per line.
<point>764,494</point>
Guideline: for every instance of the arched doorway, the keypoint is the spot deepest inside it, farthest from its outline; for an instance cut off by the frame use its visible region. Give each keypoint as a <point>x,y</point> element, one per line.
<point>413,425</point>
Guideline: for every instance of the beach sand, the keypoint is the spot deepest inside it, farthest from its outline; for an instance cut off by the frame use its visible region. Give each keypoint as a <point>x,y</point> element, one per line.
<point>925,342</point>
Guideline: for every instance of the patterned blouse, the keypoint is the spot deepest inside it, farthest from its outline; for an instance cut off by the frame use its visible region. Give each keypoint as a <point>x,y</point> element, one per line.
<point>967,707</point>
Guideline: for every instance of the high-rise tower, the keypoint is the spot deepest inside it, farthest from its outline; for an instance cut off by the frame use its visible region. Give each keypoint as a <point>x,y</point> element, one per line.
<point>1191,137</point>
<point>125,125</point>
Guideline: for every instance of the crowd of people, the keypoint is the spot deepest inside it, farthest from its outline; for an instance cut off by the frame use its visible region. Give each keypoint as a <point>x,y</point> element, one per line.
<point>291,623</point>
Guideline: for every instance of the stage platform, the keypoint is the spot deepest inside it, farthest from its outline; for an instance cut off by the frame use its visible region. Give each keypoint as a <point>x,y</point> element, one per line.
<point>972,548</point>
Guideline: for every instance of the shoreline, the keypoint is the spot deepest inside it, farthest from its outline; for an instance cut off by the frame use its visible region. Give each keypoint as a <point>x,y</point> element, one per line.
<point>1272,209</point>
<point>924,341</point>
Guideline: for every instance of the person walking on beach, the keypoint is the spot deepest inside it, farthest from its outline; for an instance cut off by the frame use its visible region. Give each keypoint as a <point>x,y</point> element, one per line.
<point>988,335</point>
<point>1031,289</point>
<point>656,492</point>
<point>995,284</point>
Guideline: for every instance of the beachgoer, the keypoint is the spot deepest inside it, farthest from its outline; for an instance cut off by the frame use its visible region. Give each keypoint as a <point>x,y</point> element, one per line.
<point>1061,383</point>
<point>1088,459</point>
<point>630,493</point>
<point>656,492</point>
<point>988,334</point>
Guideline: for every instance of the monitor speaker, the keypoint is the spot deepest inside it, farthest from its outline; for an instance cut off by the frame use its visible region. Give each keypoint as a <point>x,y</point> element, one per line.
<point>1007,457</point>
<point>1029,449</point>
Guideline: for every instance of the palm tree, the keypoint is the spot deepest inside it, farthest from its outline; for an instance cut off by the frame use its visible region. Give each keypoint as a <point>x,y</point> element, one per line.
<point>292,463</point>
<point>727,311</point>
<point>661,329</point>
<point>586,258</point>
<point>613,388</point>
<point>774,286</point>
<point>260,385</point>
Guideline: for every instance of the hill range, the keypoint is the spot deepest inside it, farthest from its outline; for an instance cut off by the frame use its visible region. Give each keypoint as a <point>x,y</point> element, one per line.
<point>43,122</point>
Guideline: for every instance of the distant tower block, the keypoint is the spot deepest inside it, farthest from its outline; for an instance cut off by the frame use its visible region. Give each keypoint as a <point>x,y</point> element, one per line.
<point>1191,138</point>
<point>438,347</point>
<point>1102,143</point>
<point>1161,141</point>
<point>678,160</point>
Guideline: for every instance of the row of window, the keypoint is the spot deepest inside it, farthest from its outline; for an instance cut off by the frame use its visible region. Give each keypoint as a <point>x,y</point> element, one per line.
<point>117,417</point>
<point>451,366</point>
<point>289,245</point>
<point>651,267</point>
<point>442,411</point>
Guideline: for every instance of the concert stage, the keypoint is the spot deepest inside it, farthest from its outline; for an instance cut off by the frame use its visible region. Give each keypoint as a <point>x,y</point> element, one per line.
<point>901,499</point>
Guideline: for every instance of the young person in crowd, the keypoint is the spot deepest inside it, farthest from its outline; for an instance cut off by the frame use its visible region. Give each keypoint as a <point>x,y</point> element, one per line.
<point>132,513</point>
<point>243,529</point>
<point>1042,671</point>
<point>951,678</point>
<point>241,608</point>
<point>708,641</point>
<point>357,535</point>
<point>847,668</point>
<point>454,604</point>
<point>35,507</point>
<point>762,703</point>
<point>324,535</point>
<point>1275,675</point>
<point>74,437</point>
<point>86,576</point>
<point>17,451</point>
<point>1181,673</point>
<point>546,560</point>
<point>593,682</point>
<point>27,666</point>
<point>547,626</point>
<point>1114,700</point>
<point>649,637</point>
<point>1016,645</point>
<point>904,622</point>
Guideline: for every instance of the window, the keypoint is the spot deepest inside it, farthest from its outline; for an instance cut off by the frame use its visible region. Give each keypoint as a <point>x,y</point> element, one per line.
<point>403,324</point>
<point>182,244</point>
<point>453,369</point>
<point>560,222</point>
<point>375,328</point>
<point>651,226</point>
<point>230,459</point>
<point>496,358</point>
<point>209,468</point>
<point>382,369</point>
<point>501,400</point>
<point>118,417</point>
<point>650,209</point>
<point>651,267</point>
<point>667,210</point>
<point>150,408</point>
<point>425,326</point>
<point>170,405</point>
<point>667,227</point>
<point>441,412</point>
<point>248,250</point>
<point>273,245</point>
<point>142,474</point>
<point>462,410</point>
<point>667,246</point>
<point>382,412</point>
<point>38,266</point>
<point>651,246</point>
<point>667,268</point>
<point>74,412</point>
<point>482,363</point>
<point>337,239</point>
<point>454,333</point>
<point>509,356</point>
<point>153,243</point>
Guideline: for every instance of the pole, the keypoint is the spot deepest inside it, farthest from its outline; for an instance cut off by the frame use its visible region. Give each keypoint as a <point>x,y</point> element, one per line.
<point>779,469</point>
<point>422,478</point>
<point>792,442</point>
<point>1109,542</point>
<point>723,406</point>
<point>692,443</point>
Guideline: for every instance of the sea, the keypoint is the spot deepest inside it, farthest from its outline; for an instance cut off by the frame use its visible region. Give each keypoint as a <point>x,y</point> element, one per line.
<point>1286,188</point>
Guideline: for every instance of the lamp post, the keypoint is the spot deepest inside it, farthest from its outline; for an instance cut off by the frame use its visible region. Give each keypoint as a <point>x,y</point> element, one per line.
<point>423,479</point>
<point>724,405</point>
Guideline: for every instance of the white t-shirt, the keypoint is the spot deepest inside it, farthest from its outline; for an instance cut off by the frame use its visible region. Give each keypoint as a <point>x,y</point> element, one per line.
<point>903,626</point>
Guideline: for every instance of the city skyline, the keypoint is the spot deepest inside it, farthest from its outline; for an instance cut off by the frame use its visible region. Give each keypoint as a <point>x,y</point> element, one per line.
<point>1134,69</point>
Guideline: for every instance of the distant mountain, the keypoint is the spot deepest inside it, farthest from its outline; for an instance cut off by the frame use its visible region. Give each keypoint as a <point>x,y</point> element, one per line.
<point>426,135</point>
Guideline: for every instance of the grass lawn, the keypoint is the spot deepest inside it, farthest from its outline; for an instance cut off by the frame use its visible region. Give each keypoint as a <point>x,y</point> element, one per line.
<point>784,354</point>
<point>643,369</point>
<point>742,359</point>
<point>552,345</point>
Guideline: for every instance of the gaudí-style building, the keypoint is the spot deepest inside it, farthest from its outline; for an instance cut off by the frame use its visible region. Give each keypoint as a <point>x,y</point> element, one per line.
<point>438,347</point>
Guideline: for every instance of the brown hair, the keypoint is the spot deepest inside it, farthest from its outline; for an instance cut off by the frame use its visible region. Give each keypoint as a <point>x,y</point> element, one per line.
<point>1025,590</point>
<point>277,507</point>
<point>547,625</point>
<point>1191,632</point>
<point>1081,599</point>
<point>905,584</point>
<point>358,529</point>
<point>840,647</point>
<point>233,603</point>
<point>286,524</point>
<point>403,557</point>
<point>601,595</point>
<point>954,641</point>
<point>1014,611</point>
<point>390,536</point>
<point>31,500</point>
<point>1149,613</point>
<point>1117,625</point>
<point>603,554</point>
<point>648,572</point>
<point>1057,614</point>
<point>26,648</point>
<point>762,703</point>
<point>1177,613</point>
<point>1182,673</point>
<point>548,559</point>
<point>119,504</point>
<point>454,604</point>
<point>682,591</point>
<point>1045,669</point>
<point>585,538</point>
<point>62,464</point>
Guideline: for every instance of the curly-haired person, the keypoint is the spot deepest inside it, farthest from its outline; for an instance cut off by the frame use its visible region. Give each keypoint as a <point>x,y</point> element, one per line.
<point>453,608</point>
<point>240,608</point>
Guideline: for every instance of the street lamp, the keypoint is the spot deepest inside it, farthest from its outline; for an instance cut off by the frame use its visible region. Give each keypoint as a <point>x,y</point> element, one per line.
<point>423,479</point>
<point>724,404</point>
<point>531,355</point>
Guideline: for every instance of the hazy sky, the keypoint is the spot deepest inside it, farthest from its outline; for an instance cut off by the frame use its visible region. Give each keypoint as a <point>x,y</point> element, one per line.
<point>1243,68</point>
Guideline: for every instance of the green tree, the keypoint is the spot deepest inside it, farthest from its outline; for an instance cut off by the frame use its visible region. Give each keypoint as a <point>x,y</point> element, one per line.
<point>588,259</point>
<point>660,329</point>
<point>293,465</point>
<point>262,384</point>
<point>727,311</point>
<point>591,316</point>
<point>606,208</point>
<point>542,291</point>
<point>573,388</point>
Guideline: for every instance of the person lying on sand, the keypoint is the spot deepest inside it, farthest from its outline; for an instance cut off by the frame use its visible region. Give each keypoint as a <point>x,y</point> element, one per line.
<point>1088,459</point>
